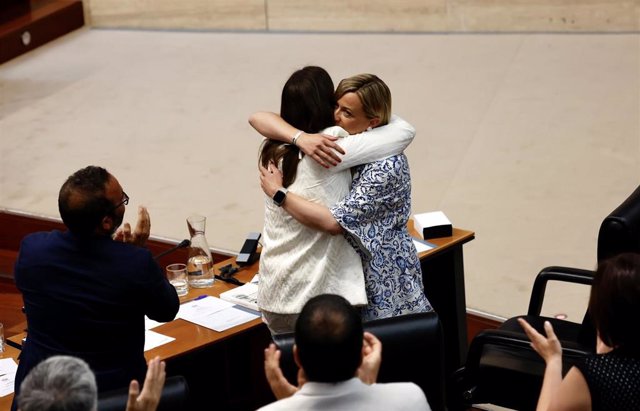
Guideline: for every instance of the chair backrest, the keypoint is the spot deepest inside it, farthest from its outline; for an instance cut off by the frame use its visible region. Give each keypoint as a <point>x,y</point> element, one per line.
<point>620,231</point>
<point>175,396</point>
<point>412,351</point>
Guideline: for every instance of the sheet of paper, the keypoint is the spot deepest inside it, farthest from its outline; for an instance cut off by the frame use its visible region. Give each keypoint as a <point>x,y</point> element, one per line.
<point>153,339</point>
<point>422,246</point>
<point>150,324</point>
<point>203,307</point>
<point>216,314</point>
<point>8,368</point>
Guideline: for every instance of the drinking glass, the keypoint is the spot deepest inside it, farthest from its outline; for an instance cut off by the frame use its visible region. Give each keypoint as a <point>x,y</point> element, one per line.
<point>177,276</point>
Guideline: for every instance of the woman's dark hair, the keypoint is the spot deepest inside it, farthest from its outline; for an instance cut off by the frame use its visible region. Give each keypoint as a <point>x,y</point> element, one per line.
<point>614,303</point>
<point>307,103</point>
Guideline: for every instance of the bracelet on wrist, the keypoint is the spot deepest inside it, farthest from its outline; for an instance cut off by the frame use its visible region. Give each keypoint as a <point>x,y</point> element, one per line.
<point>295,138</point>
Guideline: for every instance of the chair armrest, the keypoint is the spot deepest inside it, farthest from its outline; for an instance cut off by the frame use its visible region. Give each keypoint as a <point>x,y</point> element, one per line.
<point>554,273</point>
<point>504,339</point>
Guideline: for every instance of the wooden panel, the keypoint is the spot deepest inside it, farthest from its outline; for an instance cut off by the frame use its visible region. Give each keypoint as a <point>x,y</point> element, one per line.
<point>477,323</point>
<point>188,14</point>
<point>543,15</point>
<point>44,21</point>
<point>11,315</point>
<point>16,226</point>
<point>370,15</point>
<point>358,15</point>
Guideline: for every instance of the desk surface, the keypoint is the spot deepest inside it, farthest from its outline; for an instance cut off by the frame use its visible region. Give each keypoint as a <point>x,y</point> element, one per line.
<point>190,337</point>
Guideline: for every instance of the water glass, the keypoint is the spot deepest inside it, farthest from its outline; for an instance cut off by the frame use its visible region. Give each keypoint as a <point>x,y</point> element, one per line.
<point>1,338</point>
<point>177,276</point>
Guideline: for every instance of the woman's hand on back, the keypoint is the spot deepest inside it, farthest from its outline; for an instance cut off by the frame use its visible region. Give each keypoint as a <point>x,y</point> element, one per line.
<point>320,147</point>
<point>270,179</point>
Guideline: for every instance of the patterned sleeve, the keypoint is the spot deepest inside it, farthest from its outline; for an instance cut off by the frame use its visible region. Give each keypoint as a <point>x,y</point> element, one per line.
<point>375,205</point>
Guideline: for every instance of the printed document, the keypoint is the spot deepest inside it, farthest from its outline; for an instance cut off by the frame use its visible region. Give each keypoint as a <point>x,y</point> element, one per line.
<point>216,314</point>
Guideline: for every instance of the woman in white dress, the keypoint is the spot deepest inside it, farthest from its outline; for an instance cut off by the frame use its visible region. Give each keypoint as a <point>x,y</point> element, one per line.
<point>374,214</point>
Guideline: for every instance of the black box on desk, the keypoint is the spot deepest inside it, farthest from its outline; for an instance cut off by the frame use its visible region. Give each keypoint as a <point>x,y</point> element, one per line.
<point>433,225</point>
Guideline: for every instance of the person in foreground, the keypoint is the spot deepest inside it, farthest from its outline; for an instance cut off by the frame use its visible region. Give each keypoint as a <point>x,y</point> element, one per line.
<point>374,214</point>
<point>610,379</point>
<point>339,365</point>
<point>82,288</point>
<point>63,383</point>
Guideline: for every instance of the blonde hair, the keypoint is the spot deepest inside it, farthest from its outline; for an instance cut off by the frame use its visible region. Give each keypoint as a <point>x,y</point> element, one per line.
<point>374,95</point>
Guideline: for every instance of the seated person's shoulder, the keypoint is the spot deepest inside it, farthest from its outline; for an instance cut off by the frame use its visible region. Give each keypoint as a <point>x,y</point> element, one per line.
<point>406,395</point>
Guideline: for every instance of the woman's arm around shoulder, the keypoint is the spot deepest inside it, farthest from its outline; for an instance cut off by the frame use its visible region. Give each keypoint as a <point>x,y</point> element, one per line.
<point>321,147</point>
<point>381,142</point>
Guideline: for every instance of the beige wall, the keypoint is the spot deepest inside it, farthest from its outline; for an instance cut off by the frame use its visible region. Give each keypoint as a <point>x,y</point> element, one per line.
<point>369,15</point>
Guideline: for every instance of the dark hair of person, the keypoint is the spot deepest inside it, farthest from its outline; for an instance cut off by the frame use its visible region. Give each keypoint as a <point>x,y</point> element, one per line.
<point>82,201</point>
<point>614,303</point>
<point>307,103</point>
<point>328,337</point>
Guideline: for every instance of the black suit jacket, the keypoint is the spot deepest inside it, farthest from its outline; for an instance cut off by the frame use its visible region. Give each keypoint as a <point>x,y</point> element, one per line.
<point>88,298</point>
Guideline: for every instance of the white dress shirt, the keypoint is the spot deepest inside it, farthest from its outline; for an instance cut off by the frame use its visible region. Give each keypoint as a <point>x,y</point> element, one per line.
<point>354,395</point>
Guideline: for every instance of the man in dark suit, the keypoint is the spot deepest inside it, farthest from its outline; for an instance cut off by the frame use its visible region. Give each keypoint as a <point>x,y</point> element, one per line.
<point>86,290</point>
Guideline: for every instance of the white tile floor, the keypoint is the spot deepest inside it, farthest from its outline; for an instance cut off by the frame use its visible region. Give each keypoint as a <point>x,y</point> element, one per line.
<point>527,139</point>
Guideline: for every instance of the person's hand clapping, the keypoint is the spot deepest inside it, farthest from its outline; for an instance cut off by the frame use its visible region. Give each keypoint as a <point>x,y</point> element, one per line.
<point>321,147</point>
<point>149,398</point>
<point>548,347</point>
<point>140,234</point>
<point>371,358</point>
<point>279,385</point>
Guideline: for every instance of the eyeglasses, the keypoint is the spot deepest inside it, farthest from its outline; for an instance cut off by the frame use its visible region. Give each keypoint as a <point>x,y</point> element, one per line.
<point>125,201</point>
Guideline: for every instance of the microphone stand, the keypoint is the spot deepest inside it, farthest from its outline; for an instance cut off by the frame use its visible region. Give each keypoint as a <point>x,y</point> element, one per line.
<point>182,244</point>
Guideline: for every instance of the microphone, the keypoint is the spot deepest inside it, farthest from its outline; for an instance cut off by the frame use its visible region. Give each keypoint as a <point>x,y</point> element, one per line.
<point>248,252</point>
<point>182,244</point>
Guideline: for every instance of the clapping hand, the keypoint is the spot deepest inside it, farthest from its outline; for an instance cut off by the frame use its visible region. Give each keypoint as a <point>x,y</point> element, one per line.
<point>279,385</point>
<point>140,234</point>
<point>371,358</point>
<point>148,399</point>
<point>548,347</point>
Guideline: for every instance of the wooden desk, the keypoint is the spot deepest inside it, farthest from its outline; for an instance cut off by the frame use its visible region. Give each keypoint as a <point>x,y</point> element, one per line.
<point>228,366</point>
<point>189,336</point>
<point>225,366</point>
<point>443,278</point>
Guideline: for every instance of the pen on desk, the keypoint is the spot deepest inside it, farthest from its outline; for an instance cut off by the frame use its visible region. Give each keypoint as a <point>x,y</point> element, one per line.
<point>200,297</point>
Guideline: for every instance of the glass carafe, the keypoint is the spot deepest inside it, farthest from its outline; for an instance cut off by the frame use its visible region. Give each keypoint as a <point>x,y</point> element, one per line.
<point>200,263</point>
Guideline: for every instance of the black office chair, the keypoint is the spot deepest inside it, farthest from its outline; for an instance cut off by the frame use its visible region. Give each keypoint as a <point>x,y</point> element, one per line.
<point>412,351</point>
<point>501,367</point>
<point>175,397</point>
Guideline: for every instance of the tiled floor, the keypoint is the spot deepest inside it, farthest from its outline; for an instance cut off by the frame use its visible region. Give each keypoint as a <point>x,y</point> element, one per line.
<point>530,140</point>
